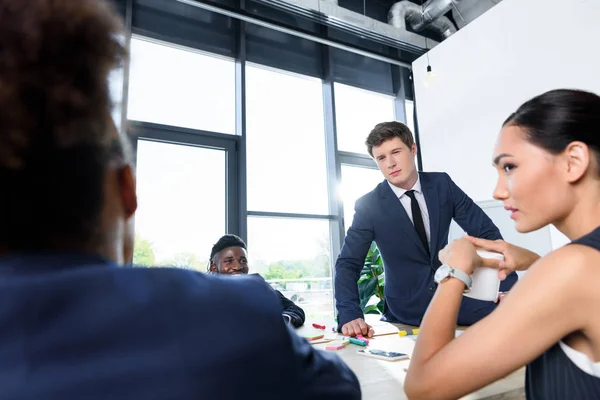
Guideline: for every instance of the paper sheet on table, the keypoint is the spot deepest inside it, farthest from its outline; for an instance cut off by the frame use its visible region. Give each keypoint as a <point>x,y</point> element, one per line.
<point>382,327</point>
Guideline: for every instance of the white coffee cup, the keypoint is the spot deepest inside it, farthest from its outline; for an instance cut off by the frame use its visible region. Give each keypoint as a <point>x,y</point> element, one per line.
<point>486,283</point>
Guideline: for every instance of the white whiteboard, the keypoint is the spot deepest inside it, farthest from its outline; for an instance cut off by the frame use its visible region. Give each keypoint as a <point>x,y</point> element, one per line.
<point>539,241</point>
<point>516,50</point>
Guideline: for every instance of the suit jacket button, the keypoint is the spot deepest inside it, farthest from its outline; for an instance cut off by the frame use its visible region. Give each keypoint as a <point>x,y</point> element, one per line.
<point>431,288</point>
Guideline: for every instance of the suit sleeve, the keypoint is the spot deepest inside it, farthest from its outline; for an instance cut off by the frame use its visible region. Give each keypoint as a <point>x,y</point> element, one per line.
<point>290,308</point>
<point>470,216</point>
<point>475,222</point>
<point>323,375</point>
<point>349,264</point>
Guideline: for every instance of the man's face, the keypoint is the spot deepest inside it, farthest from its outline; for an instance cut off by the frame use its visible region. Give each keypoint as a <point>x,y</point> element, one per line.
<point>396,161</point>
<point>231,261</point>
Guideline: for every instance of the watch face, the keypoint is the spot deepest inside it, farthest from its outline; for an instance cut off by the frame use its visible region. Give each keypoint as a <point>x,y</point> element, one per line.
<point>441,273</point>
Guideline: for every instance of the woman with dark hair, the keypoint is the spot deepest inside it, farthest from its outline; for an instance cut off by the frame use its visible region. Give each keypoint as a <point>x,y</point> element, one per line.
<point>548,161</point>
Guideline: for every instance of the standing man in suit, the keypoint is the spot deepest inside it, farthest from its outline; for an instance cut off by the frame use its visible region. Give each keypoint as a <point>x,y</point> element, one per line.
<point>408,215</point>
<point>74,323</point>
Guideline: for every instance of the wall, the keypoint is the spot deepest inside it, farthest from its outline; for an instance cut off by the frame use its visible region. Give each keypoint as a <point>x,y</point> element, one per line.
<point>516,50</point>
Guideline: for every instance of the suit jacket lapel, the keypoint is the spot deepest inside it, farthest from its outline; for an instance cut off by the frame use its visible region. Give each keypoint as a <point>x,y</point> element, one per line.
<point>397,214</point>
<point>433,207</point>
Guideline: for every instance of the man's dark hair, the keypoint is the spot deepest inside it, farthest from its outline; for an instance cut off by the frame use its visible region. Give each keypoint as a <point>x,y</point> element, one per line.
<point>225,242</point>
<point>386,131</point>
<point>56,134</point>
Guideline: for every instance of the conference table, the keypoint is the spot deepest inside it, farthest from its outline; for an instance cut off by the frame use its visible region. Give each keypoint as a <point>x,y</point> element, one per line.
<point>384,380</point>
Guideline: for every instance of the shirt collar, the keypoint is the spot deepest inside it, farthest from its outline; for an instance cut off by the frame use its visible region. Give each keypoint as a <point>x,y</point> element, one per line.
<point>399,192</point>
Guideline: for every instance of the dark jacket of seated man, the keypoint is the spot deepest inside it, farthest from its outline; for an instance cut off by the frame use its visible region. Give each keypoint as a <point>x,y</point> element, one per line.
<point>77,326</point>
<point>229,256</point>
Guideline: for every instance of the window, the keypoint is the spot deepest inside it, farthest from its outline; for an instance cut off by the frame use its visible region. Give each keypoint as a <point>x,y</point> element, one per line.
<point>293,256</point>
<point>172,86</point>
<point>356,182</point>
<point>410,115</point>
<point>357,111</point>
<point>115,86</point>
<point>286,168</point>
<point>181,197</point>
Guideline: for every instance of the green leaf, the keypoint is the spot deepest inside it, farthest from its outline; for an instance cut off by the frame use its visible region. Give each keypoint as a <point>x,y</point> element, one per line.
<point>380,306</point>
<point>371,282</point>
<point>366,290</point>
<point>372,309</point>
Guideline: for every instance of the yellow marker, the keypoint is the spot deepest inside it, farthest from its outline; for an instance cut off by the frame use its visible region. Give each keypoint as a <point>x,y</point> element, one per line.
<point>408,332</point>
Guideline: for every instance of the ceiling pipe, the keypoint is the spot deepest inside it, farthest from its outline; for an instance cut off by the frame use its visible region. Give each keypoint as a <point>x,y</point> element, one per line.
<point>431,11</point>
<point>444,26</point>
<point>407,11</point>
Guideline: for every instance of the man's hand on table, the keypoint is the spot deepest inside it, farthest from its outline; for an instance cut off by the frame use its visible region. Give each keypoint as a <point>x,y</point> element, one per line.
<point>357,327</point>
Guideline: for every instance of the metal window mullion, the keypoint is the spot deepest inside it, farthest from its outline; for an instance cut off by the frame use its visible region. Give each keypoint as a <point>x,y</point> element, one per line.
<point>334,171</point>
<point>241,200</point>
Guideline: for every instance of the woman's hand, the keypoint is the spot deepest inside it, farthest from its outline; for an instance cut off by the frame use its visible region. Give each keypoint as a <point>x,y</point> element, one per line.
<point>515,258</point>
<point>460,254</point>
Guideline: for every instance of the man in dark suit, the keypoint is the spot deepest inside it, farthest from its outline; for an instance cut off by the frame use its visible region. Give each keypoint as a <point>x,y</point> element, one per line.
<point>408,215</point>
<point>74,324</point>
<point>229,256</point>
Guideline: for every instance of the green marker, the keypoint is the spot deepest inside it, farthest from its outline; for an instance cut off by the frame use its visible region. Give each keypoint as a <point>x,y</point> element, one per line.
<point>357,341</point>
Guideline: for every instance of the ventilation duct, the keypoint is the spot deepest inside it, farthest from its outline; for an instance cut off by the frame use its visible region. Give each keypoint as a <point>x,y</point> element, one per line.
<point>467,10</point>
<point>431,11</point>
<point>406,11</point>
<point>329,13</point>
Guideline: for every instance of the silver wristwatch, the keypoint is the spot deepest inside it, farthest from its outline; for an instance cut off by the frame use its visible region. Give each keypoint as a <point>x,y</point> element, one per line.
<point>445,272</point>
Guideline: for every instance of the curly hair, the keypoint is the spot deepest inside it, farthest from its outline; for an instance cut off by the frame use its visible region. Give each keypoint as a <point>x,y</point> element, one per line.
<point>56,133</point>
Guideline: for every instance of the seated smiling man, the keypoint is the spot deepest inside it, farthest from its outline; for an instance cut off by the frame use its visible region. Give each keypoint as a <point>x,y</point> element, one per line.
<point>230,256</point>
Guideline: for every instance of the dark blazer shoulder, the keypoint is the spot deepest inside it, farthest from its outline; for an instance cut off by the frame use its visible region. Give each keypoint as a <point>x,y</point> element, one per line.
<point>434,176</point>
<point>192,287</point>
<point>373,195</point>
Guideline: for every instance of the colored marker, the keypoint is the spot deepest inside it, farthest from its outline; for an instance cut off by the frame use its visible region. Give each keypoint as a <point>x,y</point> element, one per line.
<point>361,337</point>
<point>408,332</point>
<point>357,341</point>
<point>314,337</point>
<point>319,326</point>
<point>337,345</point>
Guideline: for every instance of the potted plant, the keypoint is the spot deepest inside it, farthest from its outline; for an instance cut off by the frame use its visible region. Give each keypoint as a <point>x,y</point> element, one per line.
<point>371,283</point>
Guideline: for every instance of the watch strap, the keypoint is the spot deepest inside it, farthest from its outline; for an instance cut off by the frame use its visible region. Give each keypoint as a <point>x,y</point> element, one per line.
<point>463,277</point>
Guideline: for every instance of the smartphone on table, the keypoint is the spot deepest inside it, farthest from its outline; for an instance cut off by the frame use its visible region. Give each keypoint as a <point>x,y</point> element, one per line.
<point>383,355</point>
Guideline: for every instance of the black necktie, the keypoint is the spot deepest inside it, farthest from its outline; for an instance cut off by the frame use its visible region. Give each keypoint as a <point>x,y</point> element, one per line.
<point>418,219</point>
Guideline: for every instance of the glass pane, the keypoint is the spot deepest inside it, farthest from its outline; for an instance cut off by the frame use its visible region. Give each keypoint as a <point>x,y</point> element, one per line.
<point>356,182</point>
<point>181,197</point>
<point>293,256</point>
<point>171,86</point>
<point>410,114</point>
<point>115,86</point>
<point>357,111</point>
<point>285,143</point>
